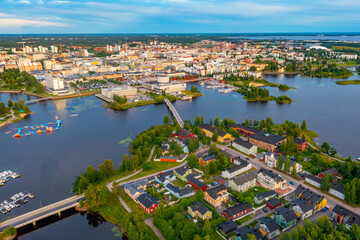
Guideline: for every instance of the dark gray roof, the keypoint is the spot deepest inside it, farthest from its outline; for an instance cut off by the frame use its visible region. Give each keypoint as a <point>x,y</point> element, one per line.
<point>213,192</point>
<point>270,223</point>
<point>240,142</point>
<point>349,216</point>
<point>182,170</point>
<point>228,226</point>
<point>263,195</point>
<point>211,128</point>
<point>300,189</point>
<point>232,211</point>
<point>287,214</point>
<point>274,202</point>
<point>331,171</point>
<point>184,132</point>
<point>337,187</point>
<point>243,127</point>
<point>244,178</point>
<point>277,178</point>
<point>200,207</point>
<point>306,195</point>
<point>209,157</point>
<point>303,205</point>
<point>299,141</point>
<point>195,181</point>
<point>243,164</point>
<point>178,190</point>
<point>147,201</point>
<point>315,198</point>
<point>268,137</point>
<point>313,178</point>
<point>245,231</point>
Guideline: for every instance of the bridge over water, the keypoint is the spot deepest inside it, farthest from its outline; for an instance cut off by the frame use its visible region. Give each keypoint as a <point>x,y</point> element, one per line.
<point>42,213</point>
<point>174,112</point>
<point>38,100</point>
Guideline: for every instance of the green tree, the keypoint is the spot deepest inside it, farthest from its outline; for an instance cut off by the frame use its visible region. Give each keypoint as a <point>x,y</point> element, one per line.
<point>326,147</point>
<point>294,171</point>
<point>280,162</point>
<point>212,167</point>
<point>177,149</point>
<point>167,120</point>
<point>303,126</point>
<point>215,136</point>
<point>2,108</point>
<point>9,231</point>
<point>10,104</point>
<point>199,195</point>
<point>189,231</point>
<point>216,122</point>
<point>192,160</point>
<point>91,174</point>
<point>326,183</point>
<point>26,109</point>
<point>287,165</point>
<point>207,229</point>
<point>251,237</point>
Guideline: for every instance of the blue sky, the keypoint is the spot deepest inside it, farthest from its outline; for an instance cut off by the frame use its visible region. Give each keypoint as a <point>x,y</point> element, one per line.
<point>178,16</point>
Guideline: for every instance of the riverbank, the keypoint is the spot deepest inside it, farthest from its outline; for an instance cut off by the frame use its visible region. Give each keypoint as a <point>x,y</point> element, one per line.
<point>280,73</point>
<point>348,82</point>
<point>10,120</point>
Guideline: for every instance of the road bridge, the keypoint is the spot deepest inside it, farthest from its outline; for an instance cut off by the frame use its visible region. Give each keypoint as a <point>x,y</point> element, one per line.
<point>174,112</point>
<point>42,213</point>
<point>38,100</point>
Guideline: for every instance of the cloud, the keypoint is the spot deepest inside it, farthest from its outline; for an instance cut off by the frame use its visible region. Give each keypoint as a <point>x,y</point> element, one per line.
<point>17,22</point>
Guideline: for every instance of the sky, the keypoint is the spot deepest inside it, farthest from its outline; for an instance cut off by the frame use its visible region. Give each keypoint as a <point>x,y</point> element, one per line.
<point>178,16</point>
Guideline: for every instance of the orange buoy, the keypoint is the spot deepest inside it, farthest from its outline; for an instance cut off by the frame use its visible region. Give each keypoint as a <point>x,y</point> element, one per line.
<point>39,131</point>
<point>49,129</point>
<point>17,135</point>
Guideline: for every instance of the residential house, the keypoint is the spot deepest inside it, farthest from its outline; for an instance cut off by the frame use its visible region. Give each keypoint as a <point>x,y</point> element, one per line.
<point>269,227</point>
<point>268,141</point>
<point>302,208</point>
<point>179,192</point>
<point>311,179</point>
<point>209,130</point>
<point>318,201</point>
<point>299,191</point>
<point>205,160</point>
<point>285,217</point>
<point>244,147</point>
<point>185,134</point>
<point>163,178</point>
<point>217,195</point>
<point>345,216</point>
<point>337,190</point>
<point>234,171</point>
<point>135,189</point>
<point>301,143</point>
<point>182,172</point>
<point>196,183</point>
<point>165,147</point>
<point>331,171</point>
<point>244,232</point>
<point>273,203</point>
<point>271,160</point>
<point>271,180</point>
<point>148,203</point>
<point>237,211</point>
<point>264,196</point>
<point>199,210</point>
<point>243,182</point>
<point>227,227</point>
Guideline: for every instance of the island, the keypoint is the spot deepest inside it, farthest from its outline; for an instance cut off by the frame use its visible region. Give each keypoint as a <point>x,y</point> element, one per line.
<point>348,82</point>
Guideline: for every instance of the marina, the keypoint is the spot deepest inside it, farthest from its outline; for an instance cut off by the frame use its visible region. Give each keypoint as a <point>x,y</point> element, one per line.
<point>5,176</point>
<point>15,201</point>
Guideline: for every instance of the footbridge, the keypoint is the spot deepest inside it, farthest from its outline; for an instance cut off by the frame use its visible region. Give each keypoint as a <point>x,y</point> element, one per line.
<point>174,112</point>
<point>38,100</point>
<point>34,216</point>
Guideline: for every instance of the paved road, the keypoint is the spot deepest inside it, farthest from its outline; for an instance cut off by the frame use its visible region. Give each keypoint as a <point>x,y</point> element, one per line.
<point>257,164</point>
<point>150,223</point>
<point>53,208</point>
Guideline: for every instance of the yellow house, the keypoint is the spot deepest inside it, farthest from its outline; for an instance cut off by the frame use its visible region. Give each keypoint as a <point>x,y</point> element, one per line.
<point>318,201</point>
<point>209,130</point>
<point>217,195</point>
<point>199,210</point>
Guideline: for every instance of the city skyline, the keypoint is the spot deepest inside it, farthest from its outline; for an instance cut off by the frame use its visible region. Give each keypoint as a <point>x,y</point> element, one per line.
<point>178,16</point>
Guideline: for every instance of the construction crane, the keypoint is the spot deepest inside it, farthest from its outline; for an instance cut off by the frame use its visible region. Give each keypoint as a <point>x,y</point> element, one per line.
<point>60,45</point>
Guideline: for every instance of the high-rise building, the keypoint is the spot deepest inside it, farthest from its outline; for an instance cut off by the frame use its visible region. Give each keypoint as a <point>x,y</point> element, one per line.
<point>54,83</point>
<point>245,45</point>
<point>54,49</point>
<point>109,48</point>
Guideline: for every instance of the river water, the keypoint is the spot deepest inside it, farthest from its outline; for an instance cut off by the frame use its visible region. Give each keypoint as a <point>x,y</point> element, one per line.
<point>48,163</point>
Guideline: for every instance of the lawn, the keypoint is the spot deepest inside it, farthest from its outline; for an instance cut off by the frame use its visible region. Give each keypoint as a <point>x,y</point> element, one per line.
<point>251,193</point>
<point>244,219</point>
<point>348,82</point>
<point>180,183</point>
<point>252,224</point>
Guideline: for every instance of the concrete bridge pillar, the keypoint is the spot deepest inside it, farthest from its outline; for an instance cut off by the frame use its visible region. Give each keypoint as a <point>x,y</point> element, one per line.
<point>34,223</point>
<point>59,214</point>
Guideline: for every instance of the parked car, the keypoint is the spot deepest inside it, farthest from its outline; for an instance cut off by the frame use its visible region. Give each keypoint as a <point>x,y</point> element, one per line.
<point>188,216</point>
<point>265,209</point>
<point>214,183</point>
<point>165,198</point>
<point>292,183</point>
<point>324,209</point>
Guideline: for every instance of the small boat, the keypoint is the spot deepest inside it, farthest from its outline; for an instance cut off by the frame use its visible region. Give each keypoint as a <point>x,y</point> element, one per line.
<point>39,131</point>
<point>74,115</point>
<point>17,135</point>
<point>56,117</point>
